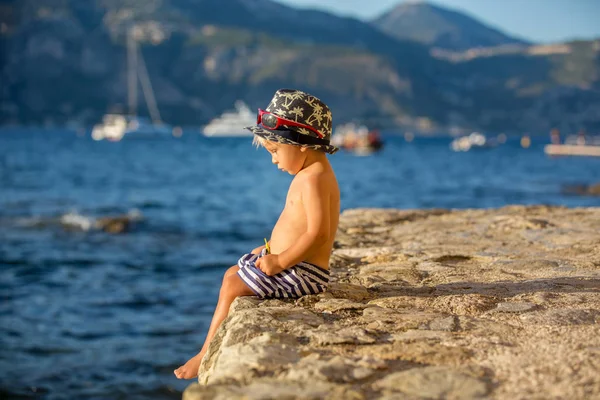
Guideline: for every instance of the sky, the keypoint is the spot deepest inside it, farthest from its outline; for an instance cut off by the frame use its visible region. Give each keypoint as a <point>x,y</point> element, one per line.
<point>539,21</point>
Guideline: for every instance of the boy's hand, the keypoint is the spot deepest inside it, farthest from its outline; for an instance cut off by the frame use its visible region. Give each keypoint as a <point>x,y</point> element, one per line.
<point>269,264</point>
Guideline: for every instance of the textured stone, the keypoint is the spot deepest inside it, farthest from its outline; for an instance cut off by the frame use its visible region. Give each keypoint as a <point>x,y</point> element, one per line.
<point>348,291</point>
<point>362,252</point>
<point>336,369</point>
<point>334,305</point>
<point>527,265</point>
<point>261,354</point>
<point>390,273</point>
<point>449,324</point>
<point>414,334</point>
<point>563,317</point>
<point>515,307</point>
<point>433,383</point>
<point>271,389</point>
<point>394,320</point>
<point>350,335</point>
<point>399,302</point>
<point>467,304</point>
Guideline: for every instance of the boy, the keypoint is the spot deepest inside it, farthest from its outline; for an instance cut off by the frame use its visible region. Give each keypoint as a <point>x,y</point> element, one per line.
<point>296,130</point>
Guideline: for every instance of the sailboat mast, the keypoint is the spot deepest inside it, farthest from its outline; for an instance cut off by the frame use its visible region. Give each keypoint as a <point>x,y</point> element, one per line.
<point>147,90</point>
<point>131,72</point>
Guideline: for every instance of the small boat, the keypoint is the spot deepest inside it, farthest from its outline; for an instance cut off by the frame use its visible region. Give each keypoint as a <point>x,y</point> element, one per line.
<point>475,140</point>
<point>232,122</point>
<point>574,145</point>
<point>357,139</point>
<point>572,150</point>
<point>581,139</point>
<point>116,126</point>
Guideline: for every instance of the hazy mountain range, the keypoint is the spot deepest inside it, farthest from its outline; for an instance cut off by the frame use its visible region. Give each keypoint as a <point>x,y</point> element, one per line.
<point>439,27</point>
<point>417,67</point>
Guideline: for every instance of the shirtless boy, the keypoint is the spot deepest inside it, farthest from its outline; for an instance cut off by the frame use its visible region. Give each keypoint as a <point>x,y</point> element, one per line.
<point>296,130</point>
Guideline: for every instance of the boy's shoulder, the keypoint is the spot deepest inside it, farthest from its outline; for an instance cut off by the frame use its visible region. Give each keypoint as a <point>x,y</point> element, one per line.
<point>321,178</point>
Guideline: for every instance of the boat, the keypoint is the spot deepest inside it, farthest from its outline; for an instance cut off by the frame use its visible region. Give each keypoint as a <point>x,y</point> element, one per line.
<point>357,139</point>
<point>475,140</point>
<point>232,122</point>
<point>572,150</point>
<point>574,145</point>
<point>581,139</point>
<point>115,127</point>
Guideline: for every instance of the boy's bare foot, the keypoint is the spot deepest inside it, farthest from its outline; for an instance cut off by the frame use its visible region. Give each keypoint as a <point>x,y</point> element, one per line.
<point>190,369</point>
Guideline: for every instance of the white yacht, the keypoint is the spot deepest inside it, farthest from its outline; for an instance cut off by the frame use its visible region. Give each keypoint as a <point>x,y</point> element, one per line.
<point>232,122</point>
<point>115,127</point>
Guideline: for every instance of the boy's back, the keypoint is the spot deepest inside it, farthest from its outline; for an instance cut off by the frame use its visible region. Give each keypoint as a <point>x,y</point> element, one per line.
<point>317,179</point>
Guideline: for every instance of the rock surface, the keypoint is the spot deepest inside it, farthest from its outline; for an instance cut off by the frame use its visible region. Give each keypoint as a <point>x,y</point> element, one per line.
<point>428,304</point>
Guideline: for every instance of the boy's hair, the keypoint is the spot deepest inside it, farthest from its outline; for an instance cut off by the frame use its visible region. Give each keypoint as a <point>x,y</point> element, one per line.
<point>258,141</point>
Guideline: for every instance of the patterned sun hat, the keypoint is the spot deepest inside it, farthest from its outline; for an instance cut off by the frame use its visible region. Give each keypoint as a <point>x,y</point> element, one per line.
<point>295,105</point>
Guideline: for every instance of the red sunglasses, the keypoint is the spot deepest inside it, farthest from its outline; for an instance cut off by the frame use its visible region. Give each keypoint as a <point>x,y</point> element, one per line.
<point>272,121</point>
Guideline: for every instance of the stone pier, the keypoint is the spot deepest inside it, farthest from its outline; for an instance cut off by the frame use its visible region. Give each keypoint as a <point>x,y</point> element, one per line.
<point>428,304</point>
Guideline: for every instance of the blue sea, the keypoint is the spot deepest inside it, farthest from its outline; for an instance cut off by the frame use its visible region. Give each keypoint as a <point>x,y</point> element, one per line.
<point>88,314</point>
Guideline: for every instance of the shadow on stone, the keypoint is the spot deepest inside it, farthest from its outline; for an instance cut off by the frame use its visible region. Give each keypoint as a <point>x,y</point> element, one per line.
<point>503,288</point>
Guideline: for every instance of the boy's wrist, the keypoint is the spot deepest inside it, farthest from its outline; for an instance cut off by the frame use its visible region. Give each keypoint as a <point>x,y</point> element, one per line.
<point>283,260</point>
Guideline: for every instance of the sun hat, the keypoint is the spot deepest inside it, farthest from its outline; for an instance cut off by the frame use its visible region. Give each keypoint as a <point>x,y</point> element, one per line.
<point>309,121</point>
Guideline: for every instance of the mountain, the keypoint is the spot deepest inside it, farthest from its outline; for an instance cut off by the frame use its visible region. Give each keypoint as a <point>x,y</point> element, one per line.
<point>533,88</point>
<point>439,27</point>
<point>202,55</point>
<point>65,61</point>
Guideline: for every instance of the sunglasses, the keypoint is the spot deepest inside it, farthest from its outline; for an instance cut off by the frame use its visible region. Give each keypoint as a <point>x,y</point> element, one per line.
<point>272,121</point>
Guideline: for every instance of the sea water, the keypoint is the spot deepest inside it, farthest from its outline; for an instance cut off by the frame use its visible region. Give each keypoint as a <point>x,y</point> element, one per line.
<point>89,314</point>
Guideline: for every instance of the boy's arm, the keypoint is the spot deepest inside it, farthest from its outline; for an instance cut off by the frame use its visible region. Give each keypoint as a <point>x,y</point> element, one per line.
<point>315,200</point>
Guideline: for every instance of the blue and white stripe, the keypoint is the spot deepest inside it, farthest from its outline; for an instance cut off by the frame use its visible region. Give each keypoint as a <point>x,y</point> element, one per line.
<point>300,280</point>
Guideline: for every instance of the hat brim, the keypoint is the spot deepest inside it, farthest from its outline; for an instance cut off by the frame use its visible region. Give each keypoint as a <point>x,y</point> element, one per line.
<point>273,136</point>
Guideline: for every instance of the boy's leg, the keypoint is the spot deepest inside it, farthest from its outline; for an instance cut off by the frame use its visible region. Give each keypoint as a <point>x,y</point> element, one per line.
<point>233,286</point>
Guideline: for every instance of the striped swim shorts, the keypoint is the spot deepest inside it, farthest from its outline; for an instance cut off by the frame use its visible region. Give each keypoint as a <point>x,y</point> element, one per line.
<point>297,281</point>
